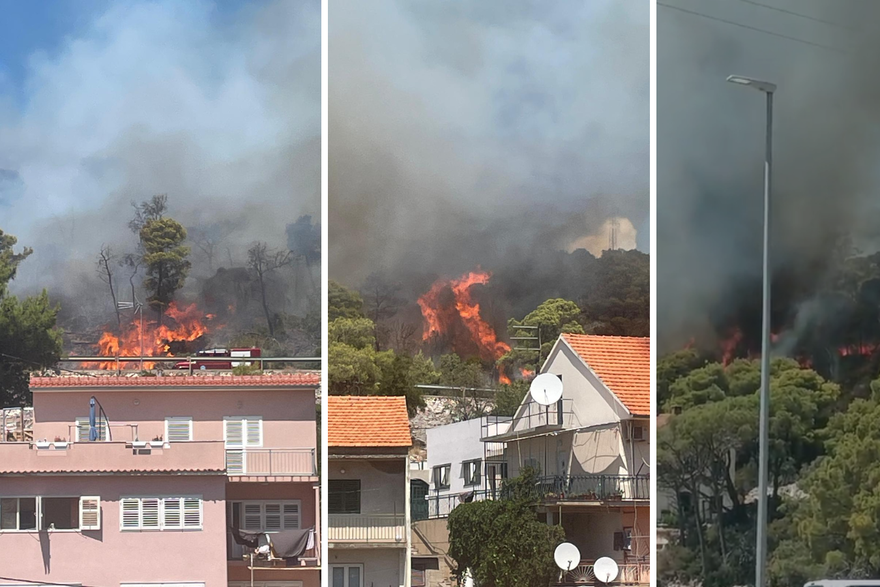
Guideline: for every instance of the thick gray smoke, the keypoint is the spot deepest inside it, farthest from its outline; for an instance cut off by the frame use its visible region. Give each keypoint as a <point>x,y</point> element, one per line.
<point>175,97</point>
<point>468,133</point>
<point>711,148</point>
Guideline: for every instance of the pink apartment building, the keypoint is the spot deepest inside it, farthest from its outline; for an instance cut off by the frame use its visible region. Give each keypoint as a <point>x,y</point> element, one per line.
<point>179,461</point>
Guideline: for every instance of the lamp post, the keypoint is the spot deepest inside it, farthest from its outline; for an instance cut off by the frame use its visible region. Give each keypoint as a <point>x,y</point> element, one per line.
<point>764,418</point>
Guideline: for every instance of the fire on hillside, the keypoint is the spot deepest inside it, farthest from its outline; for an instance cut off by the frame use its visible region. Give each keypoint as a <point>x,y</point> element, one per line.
<point>453,319</point>
<point>183,331</point>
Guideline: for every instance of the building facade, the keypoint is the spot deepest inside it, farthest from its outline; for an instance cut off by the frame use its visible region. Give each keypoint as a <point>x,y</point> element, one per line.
<point>591,451</point>
<point>368,534</point>
<point>147,487</point>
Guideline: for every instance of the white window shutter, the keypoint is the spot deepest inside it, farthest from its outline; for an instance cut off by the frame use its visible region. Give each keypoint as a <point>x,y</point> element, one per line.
<point>171,514</point>
<point>254,432</point>
<point>235,462</point>
<point>192,512</point>
<point>130,518</point>
<point>234,433</point>
<point>150,512</point>
<point>89,513</point>
<point>178,429</point>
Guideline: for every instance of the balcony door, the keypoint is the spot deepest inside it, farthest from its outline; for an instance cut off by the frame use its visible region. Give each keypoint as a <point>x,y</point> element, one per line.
<point>346,576</point>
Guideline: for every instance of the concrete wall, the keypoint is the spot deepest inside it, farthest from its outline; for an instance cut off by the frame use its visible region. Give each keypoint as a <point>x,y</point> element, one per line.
<point>593,532</point>
<point>108,557</point>
<point>288,415</point>
<point>383,567</point>
<point>383,483</point>
<point>454,444</point>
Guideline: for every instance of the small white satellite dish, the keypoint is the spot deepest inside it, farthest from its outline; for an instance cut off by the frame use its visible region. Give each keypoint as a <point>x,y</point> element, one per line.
<point>605,569</point>
<point>546,389</point>
<point>468,578</point>
<point>567,556</point>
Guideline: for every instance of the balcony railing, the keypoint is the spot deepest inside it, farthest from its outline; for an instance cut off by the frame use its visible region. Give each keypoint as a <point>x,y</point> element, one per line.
<point>607,489</point>
<point>267,462</point>
<point>584,574</point>
<point>367,528</point>
<point>594,488</point>
<point>237,552</point>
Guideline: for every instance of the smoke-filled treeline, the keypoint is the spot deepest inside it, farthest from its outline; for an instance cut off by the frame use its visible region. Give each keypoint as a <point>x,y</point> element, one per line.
<point>825,278</point>
<point>215,105</point>
<point>710,167</point>
<point>484,134</point>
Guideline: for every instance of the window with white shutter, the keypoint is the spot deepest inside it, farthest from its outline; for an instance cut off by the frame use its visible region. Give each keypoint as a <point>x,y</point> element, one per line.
<point>192,512</point>
<point>131,513</point>
<point>178,429</point>
<point>150,512</point>
<point>171,514</point>
<point>89,513</point>
<point>243,431</point>
<point>161,513</point>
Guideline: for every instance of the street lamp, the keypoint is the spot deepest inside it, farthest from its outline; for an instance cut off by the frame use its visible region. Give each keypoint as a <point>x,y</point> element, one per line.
<point>764,418</point>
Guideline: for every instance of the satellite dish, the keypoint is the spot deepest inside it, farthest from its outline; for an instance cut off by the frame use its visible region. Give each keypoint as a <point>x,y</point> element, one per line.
<point>546,389</point>
<point>605,569</point>
<point>567,556</point>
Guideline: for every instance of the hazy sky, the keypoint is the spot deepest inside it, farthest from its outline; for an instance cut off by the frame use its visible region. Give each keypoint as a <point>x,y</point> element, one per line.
<point>447,118</point>
<point>216,104</point>
<point>710,150</point>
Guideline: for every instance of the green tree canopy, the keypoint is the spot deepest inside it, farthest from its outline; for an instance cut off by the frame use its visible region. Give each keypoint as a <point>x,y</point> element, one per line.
<point>552,318</point>
<point>29,336</point>
<point>343,302</point>
<point>619,300</point>
<point>502,542</point>
<point>165,258</point>
<point>355,332</point>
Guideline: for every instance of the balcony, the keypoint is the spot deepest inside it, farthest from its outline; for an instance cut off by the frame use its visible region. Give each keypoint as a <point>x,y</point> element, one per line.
<point>239,553</point>
<point>583,574</point>
<point>111,457</point>
<point>271,462</point>
<point>594,488</point>
<point>368,529</point>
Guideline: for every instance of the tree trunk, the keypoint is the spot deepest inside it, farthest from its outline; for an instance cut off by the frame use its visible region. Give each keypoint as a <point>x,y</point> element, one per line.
<point>265,304</point>
<point>698,523</point>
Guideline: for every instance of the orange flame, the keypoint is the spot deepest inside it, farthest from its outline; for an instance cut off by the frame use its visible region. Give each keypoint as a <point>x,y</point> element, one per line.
<point>439,315</point>
<point>187,326</point>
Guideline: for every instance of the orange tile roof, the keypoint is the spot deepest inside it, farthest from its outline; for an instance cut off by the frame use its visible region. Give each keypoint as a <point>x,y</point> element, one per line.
<point>623,363</point>
<point>369,420</point>
<point>302,379</point>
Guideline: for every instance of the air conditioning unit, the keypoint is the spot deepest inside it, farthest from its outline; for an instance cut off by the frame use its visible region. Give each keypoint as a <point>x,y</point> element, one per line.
<point>637,433</point>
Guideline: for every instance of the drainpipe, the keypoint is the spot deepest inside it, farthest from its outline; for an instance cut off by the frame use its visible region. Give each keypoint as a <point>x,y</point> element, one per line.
<point>407,564</point>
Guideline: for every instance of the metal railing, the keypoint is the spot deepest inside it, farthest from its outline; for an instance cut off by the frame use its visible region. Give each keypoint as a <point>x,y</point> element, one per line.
<point>599,488</point>
<point>239,552</point>
<point>584,574</point>
<point>439,506</point>
<point>367,528</point>
<point>107,431</point>
<point>594,487</point>
<point>270,462</point>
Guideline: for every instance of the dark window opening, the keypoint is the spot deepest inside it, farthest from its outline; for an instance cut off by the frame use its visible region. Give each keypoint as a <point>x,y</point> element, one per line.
<point>60,513</point>
<point>18,513</point>
<point>344,496</point>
